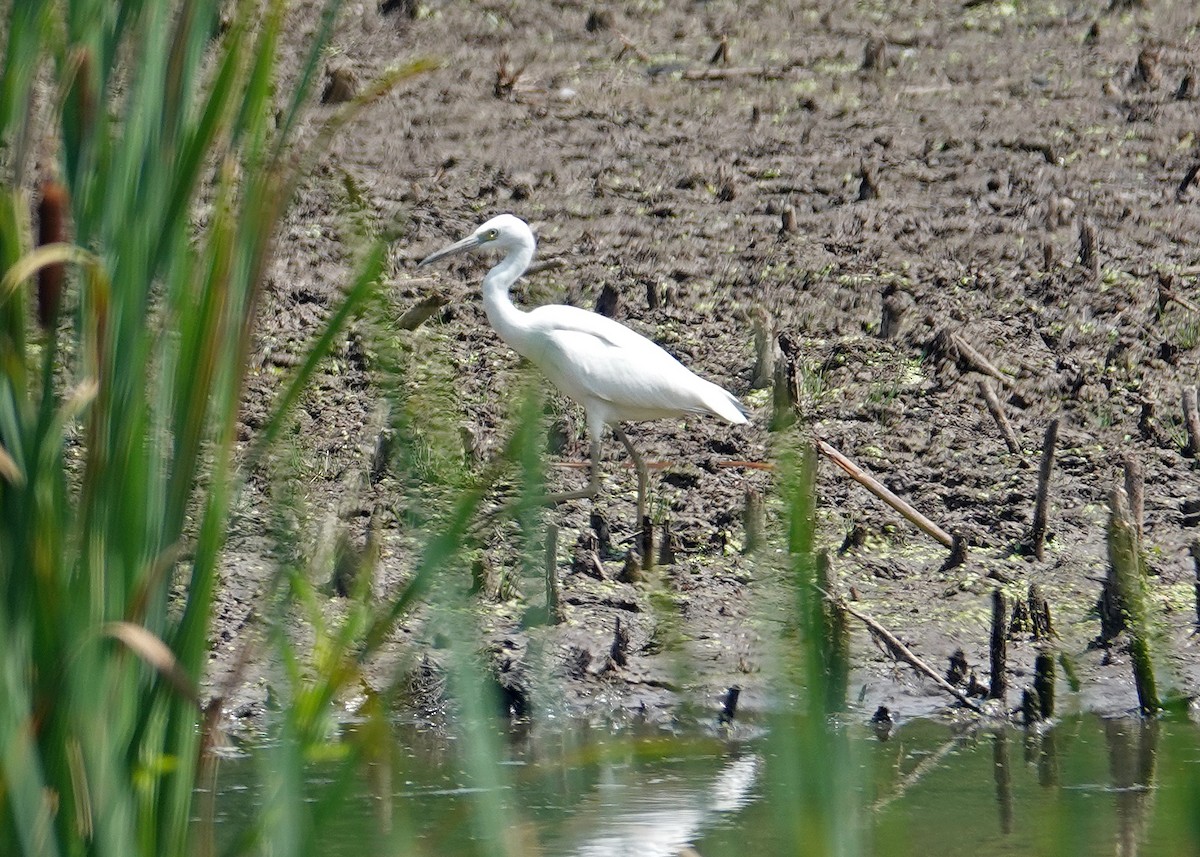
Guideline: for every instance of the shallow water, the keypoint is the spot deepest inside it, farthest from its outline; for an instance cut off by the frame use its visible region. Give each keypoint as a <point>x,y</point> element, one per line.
<point>1086,786</point>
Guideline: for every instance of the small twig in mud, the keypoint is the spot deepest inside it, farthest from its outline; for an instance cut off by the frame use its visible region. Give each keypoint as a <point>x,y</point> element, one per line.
<point>1191,419</point>
<point>996,409</point>
<point>1189,180</point>
<point>547,265</point>
<point>879,490</point>
<point>1042,502</point>
<point>1166,294</point>
<point>953,344</point>
<point>721,55</point>
<point>905,654</point>
<point>629,47</point>
<point>765,72</point>
<point>998,685</point>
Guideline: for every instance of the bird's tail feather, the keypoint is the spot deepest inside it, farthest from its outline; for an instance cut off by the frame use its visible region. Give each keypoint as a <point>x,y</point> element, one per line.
<point>724,404</point>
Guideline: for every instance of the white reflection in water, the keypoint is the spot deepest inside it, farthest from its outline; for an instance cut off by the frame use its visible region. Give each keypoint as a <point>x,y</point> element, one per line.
<point>658,817</point>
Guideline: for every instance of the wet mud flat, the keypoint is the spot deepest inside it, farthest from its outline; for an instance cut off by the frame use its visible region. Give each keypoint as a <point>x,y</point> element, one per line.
<point>904,203</point>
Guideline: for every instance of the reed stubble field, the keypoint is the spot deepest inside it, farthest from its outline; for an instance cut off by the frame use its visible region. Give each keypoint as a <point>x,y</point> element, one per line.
<point>893,191</point>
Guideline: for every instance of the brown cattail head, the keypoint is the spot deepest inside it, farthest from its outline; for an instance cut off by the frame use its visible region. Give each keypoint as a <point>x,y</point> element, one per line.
<point>52,216</point>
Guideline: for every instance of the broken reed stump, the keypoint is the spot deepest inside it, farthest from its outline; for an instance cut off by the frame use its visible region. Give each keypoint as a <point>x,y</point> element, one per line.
<point>631,571</point>
<point>1039,614</point>
<point>1123,600</point>
<point>646,543</point>
<point>879,490</point>
<point>1042,502</point>
<point>1089,248</point>
<point>586,558</point>
<point>619,652</point>
<point>764,350</point>
<point>785,393</point>
<point>1043,684</point>
<point>729,708</point>
<point>837,629</point>
<point>666,545</point>
<point>1135,487</point>
<point>754,521</point>
<point>1031,706</point>
<point>958,670</point>
<point>1191,420</point>
<point>787,220</point>
<point>1195,551</point>
<point>554,605</point>
<point>996,409</point>
<point>998,685</point>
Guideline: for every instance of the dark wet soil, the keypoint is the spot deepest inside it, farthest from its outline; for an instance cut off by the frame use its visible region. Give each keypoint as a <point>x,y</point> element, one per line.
<point>936,164</point>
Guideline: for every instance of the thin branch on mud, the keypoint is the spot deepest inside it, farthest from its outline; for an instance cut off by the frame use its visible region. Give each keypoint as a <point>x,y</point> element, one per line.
<point>904,653</point>
<point>977,361</point>
<point>883,493</point>
<point>763,71</point>
<point>997,411</point>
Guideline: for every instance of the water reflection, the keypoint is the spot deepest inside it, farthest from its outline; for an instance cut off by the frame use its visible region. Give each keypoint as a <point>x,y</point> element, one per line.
<point>656,816</point>
<point>1081,786</point>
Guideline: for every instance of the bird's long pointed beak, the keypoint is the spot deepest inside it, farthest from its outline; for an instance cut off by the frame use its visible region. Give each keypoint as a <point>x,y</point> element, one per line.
<point>468,243</point>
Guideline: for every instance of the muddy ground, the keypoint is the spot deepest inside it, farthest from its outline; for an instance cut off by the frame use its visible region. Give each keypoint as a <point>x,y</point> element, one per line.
<point>939,158</point>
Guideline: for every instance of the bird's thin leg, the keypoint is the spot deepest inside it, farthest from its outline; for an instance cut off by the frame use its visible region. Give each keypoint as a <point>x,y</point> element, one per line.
<point>593,486</point>
<point>642,474</point>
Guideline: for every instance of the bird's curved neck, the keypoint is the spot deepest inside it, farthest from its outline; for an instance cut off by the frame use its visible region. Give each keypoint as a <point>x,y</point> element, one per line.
<point>502,315</point>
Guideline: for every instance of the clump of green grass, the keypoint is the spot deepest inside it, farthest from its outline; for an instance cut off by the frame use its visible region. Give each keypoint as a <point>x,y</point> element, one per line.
<point>119,401</point>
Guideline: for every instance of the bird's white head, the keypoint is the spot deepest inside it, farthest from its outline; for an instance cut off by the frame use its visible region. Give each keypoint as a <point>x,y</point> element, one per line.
<point>505,233</point>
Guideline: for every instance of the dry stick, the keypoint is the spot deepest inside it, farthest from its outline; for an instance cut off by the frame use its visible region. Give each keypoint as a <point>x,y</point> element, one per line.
<point>978,361</point>
<point>905,654</point>
<point>998,687</point>
<point>1043,490</point>
<point>997,411</point>
<point>1191,418</point>
<point>875,487</point>
<point>1170,295</point>
<point>765,72</point>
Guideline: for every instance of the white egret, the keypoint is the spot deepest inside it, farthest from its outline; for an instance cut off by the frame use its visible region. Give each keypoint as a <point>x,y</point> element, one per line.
<point>617,375</point>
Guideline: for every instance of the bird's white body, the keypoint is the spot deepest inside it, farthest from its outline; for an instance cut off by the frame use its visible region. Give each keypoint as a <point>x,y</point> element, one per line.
<point>615,373</point>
